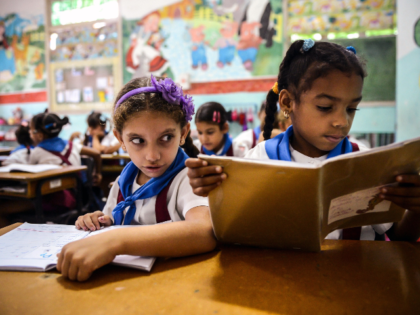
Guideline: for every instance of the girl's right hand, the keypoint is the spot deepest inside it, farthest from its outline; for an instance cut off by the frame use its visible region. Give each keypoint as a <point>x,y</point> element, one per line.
<point>204,178</point>
<point>93,221</point>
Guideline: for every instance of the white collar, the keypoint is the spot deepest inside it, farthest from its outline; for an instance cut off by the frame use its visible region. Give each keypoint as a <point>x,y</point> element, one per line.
<point>301,158</point>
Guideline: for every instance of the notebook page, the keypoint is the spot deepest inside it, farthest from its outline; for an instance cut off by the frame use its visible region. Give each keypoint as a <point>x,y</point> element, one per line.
<point>34,247</point>
<point>137,262</point>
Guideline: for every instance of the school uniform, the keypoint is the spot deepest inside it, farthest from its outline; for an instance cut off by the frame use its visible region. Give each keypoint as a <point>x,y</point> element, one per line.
<point>170,201</point>
<point>231,148</point>
<point>279,148</point>
<point>19,155</point>
<point>56,151</point>
<point>108,140</point>
<point>247,140</point>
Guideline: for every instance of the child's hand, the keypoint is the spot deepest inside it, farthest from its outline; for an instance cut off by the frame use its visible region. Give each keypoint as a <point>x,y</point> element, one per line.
<point>204,178</point>
<point>407,196</point>
<point>77,260</point>
<point>93,221</point>
<point>96,179</point>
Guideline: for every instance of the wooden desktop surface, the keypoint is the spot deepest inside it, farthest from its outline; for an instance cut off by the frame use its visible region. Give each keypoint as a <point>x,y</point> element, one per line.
<point>347,277</point>
<point>32,179</point>
<point>115,156</point>
<point>5,150</point>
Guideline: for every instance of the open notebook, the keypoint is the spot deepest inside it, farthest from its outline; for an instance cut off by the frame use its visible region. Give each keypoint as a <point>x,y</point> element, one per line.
<point>28,168</point>
<point>291,205</point>
<point>34,247</point>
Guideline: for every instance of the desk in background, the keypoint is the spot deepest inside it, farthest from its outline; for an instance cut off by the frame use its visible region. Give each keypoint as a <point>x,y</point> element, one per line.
<point>44,183</point>
<point>111,169</point>
<point>347,277</point>
<point>5,150</point>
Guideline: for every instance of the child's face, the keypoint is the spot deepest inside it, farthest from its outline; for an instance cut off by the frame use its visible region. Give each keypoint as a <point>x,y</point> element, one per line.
<point>35,135</point>
<point>152,140</point>
<point>325,113</point>
<point>99,131</point>
<point>211,136</point>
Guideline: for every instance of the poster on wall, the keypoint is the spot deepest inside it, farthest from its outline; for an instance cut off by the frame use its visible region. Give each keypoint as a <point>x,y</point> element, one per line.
<point>208,40</point>
<point>322,16</point>
<point>22,53</point>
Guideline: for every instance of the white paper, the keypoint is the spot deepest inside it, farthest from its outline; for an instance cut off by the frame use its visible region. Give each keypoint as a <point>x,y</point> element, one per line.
<point>101,83</point>
<point>357,203</point>
<point>38,168</point>
<point>34,247</point>
<point>88,94</point>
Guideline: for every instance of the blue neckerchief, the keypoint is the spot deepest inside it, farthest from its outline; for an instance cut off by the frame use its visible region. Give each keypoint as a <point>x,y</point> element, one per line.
<point>277,148</point>
<point>54,144</point>
<point>257,131</point>
<point>228,143</point>
<point>90,141</point>
<point>21,147</point>
<point>152,188</point>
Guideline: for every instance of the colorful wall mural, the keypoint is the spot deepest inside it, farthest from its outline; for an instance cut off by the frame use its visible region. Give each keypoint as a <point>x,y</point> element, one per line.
<point>22,53</point>
<point>324,16</point>
<point>209,40</point>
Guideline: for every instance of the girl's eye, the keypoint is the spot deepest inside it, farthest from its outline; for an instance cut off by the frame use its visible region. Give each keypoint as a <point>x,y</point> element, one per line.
<point>137,140</point>
<point>324,108</point>
<point>210,133</point>
<point>352,110</point>
<point>167,138</point>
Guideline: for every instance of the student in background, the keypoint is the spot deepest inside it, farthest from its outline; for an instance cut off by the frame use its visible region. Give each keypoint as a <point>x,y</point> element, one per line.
<point>282,122</point>
<point>213,132</point>
<point>51,149</point>
<point>320,86</point>
<point>97,136</point>
<point>152,124</point>
<point>20,155</point>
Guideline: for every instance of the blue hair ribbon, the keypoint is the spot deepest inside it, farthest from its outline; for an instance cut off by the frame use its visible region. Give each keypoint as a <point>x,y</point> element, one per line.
<point>308,44</point>
<point>352,49</point>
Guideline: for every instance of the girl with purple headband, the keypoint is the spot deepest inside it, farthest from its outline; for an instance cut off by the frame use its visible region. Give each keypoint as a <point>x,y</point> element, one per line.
<point>151,121</point>
<point>319,87</point>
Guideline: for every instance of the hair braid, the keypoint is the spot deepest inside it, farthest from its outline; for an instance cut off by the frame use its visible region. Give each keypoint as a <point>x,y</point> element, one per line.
<point>189,148</point>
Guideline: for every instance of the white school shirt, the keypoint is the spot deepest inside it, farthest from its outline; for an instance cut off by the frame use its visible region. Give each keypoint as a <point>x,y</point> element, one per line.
<point>107,141</point>
<point>180,200</point>
<point>41,156</point>
<point>20,156</point>
<point>368,231</point>
<point>239,150</point>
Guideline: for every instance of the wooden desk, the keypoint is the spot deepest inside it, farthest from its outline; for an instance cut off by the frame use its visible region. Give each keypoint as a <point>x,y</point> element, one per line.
<point>5,150</point>
<point>348,277</point>
<point>44,183</point>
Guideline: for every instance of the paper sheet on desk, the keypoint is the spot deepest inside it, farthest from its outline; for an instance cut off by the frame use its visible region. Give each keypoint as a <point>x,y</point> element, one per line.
<point>137,262</point>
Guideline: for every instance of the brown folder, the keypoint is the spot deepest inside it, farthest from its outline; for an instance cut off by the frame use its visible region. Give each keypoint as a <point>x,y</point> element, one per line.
<point>291,205</point>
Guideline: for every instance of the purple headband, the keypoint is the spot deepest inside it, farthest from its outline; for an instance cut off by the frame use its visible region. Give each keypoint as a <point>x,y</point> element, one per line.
<point>170,92</point>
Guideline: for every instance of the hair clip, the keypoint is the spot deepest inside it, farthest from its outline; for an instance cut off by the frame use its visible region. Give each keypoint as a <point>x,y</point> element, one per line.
<point>218,117</point>
<point>308,44</point>
<point>275,88</point>
<point>214,116</point>
<point>352,49</point>
<point>50,125</point>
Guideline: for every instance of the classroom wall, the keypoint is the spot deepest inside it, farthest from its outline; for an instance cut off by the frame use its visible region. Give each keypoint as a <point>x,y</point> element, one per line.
<point>408,70</point>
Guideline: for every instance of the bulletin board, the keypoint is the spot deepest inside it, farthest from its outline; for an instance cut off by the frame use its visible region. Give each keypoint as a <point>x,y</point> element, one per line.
<point>380,54</point>
<point>84,85</point>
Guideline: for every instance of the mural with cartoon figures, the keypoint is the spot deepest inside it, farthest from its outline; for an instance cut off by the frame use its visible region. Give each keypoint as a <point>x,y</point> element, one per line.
<point>85,42</point>
<point>22,53</point>
<point>321,16</point>
<point>210,40</point>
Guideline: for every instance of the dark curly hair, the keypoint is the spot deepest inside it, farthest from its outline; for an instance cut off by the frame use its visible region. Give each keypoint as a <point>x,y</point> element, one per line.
<point>150,102</point>
<point>49,123</point>
<point>299,69</point>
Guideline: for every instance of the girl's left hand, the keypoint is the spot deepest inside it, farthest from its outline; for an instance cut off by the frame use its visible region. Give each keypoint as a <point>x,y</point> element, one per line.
<point>77,260</point>
<point>407,196</point>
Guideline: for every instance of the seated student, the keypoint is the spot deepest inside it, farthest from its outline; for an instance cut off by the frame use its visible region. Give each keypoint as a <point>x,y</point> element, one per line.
<point>282,122</point>
<point>152,124</point>
<point>213,132</point>
<point>96,136</point>
<point>20,155</point>
<point>320,86</point>
<point>51,149</point>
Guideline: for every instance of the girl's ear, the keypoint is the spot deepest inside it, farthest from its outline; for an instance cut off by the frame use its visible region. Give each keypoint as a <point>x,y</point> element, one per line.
<point>185,130</point>
<point>118,136</point>
<point>285,100</point>
<point>225,128</point>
